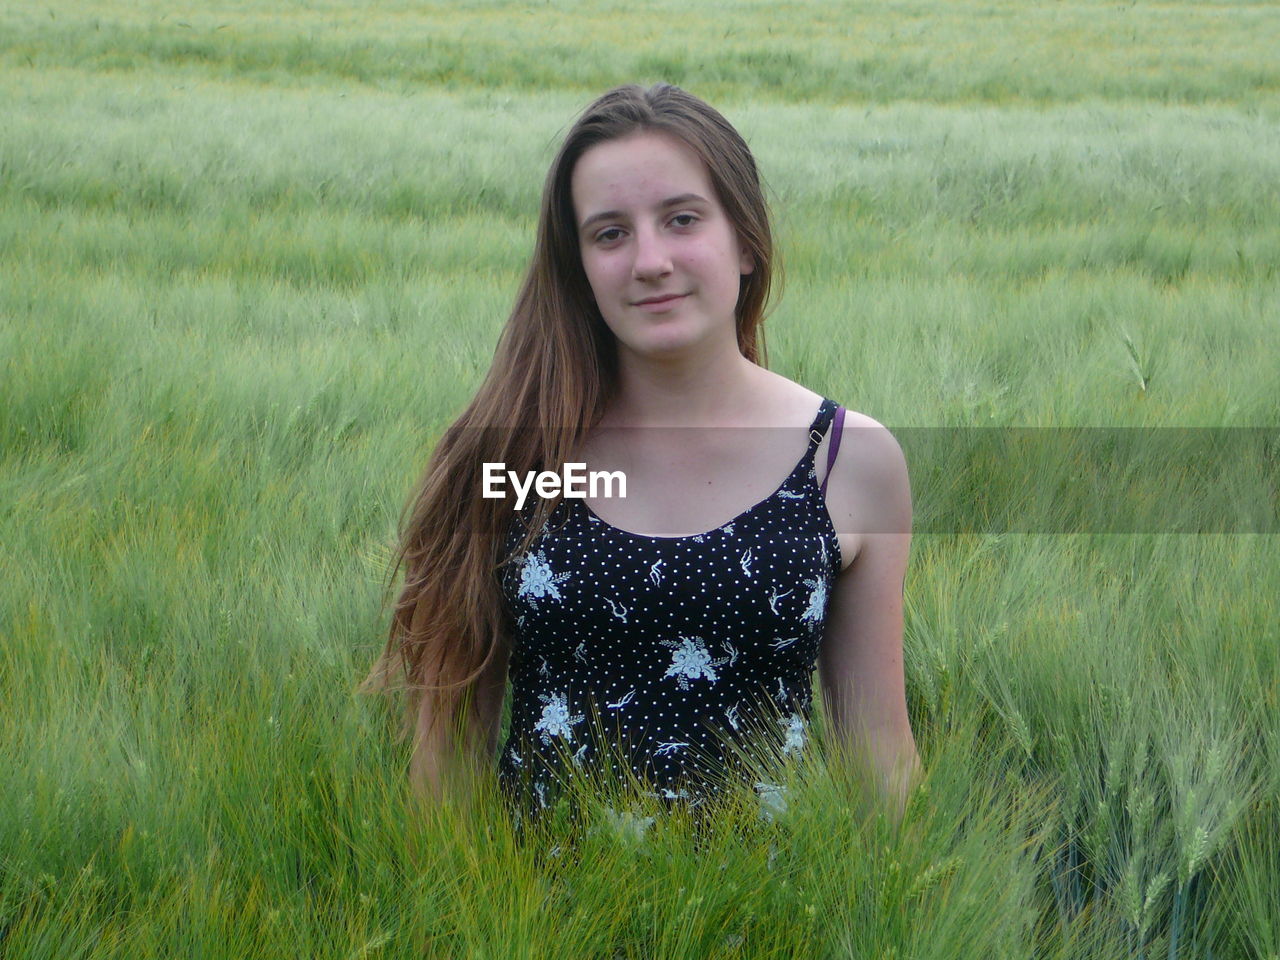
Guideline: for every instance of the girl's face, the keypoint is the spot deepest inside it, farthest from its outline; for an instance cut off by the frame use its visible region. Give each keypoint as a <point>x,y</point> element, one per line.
<point>662,258</point>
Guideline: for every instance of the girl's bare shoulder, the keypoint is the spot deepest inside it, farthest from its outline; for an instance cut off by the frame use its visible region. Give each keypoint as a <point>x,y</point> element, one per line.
<point>786,401</point>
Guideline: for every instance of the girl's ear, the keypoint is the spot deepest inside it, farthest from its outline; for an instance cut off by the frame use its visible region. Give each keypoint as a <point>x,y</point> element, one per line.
<point>746,262</point>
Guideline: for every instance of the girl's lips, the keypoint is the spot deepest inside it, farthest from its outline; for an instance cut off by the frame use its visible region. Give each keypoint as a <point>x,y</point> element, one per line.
<point>656,306</point>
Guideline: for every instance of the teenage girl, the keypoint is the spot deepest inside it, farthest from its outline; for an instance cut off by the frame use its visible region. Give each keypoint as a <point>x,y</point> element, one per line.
<point>651,630</point>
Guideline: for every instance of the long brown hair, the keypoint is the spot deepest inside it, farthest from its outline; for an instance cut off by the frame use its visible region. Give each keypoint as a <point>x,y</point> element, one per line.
<point>552,377</point>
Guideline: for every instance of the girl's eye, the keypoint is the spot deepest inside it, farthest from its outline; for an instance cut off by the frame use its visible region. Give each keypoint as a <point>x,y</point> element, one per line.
<point>684,216</point>
<point>607,236</point>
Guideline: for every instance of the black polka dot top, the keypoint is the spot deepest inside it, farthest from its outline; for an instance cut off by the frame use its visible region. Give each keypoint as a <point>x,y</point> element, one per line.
<point>666,649</point>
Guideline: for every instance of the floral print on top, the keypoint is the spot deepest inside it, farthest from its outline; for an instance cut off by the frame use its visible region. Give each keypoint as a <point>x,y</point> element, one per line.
<point>666,646</point>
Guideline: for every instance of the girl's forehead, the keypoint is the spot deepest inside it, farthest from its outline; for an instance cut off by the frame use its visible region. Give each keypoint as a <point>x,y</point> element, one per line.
<point>632,168</point>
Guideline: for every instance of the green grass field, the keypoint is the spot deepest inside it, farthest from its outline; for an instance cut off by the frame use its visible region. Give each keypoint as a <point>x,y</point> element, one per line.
<point>254,258</point>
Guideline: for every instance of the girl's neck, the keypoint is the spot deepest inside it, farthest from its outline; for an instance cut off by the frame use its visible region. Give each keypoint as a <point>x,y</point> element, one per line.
<point>717,391</point>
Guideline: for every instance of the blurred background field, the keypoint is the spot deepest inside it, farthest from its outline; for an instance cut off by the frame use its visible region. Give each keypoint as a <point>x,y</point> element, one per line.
<point>254,258</point>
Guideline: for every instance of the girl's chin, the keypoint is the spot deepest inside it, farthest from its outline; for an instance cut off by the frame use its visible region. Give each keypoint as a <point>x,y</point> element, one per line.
<point>666,337</point>
<point>662,347</point>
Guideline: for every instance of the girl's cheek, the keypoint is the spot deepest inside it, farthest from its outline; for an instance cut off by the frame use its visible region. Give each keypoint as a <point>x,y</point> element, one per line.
<point>601,263</point>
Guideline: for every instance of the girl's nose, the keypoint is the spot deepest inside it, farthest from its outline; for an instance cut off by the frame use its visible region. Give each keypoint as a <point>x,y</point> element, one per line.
<point>651,256</point>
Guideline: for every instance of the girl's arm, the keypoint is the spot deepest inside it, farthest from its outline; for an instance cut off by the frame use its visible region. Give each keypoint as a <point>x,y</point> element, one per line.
<point>860,662</point>
<point>437,766</point>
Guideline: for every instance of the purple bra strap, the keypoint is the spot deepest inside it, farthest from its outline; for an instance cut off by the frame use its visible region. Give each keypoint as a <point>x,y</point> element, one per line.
<point>836,428</point>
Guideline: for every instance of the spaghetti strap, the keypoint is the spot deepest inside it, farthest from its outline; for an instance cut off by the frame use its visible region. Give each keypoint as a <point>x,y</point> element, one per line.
<point>837,431</point>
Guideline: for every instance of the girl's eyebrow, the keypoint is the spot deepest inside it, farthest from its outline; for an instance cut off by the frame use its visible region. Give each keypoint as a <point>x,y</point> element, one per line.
<point>669,202</point>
